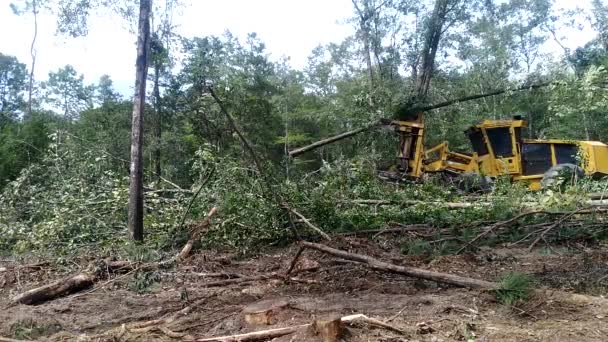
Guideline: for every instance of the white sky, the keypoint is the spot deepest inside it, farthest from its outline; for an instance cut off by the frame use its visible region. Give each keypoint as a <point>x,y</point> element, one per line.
<point>288,28</point>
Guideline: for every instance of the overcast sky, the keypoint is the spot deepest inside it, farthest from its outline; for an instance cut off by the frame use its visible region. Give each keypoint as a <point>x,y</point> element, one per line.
<point>289,28</point>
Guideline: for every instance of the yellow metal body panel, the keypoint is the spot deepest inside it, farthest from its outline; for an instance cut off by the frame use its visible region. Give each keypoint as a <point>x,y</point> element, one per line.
<point>490,164</point>
<point>411,146</point>
<point>533,182</point>
<point>440,158</point>
<point>595,157</point>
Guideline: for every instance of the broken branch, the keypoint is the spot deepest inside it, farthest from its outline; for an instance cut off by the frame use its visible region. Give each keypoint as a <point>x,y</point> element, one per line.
<point>307,222</point>
<point>378,265</point>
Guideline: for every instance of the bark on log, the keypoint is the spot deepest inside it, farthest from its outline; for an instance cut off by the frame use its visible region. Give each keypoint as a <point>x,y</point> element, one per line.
<point>320,143</point>
<point>264,312</point>
<point>59,288</point>
<point>378,265</point>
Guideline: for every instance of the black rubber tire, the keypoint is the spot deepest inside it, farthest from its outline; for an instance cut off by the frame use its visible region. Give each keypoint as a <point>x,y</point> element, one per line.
<point>471,182</point>
<point>561,174</point>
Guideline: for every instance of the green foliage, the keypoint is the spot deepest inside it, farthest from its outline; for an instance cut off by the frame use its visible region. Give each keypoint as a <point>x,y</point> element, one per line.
<point>30,330</point>
<point>417,247</point>
<point>66,92</point>
<point>143,282</point>
<point>72,199</point>
<point>513,288</point>
<point>21,145</point>
<point>12,87</point>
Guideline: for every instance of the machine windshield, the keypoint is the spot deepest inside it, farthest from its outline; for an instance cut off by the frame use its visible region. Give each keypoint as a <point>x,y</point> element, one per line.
<point>500,139</point>
<point>477,142</point>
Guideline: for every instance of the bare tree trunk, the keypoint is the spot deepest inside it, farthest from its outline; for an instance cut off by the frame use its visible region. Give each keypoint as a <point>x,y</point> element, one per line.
<point>364,27</point>
<point>370,67</point>
<point>157,123</point>
<point>433,35</point>
<point>586,126</point>
<point>33,54</point>
<point>136,193</point>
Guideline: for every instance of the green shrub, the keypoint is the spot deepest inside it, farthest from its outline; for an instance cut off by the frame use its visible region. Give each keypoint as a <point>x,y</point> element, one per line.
<point>513,288</point>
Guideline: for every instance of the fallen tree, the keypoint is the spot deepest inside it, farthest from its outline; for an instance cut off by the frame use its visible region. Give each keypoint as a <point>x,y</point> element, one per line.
<point>379,265</point>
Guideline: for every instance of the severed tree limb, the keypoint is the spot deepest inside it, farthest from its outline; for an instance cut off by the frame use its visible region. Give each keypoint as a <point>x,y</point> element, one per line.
<point>183,220</point>
<point>388,230</point>
<point>80,281</point>
<point>307,222</point>
<point>295,260</point>
<point>6,339</point>
<point>378,265</point>
<point>185,252</point>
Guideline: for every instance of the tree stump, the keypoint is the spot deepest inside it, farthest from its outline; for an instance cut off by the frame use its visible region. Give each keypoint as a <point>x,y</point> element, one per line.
<point>264,312</point>
<point>328,329</point>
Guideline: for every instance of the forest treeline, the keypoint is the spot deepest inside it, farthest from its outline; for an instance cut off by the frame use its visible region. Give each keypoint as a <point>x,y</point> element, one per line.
<point>64,153</point>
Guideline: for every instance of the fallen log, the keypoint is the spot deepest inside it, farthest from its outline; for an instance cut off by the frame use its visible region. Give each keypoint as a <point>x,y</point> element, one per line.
<point>378,265</point>
<point>598,204</point>
<point>406,111</point>
<point>59,288</point>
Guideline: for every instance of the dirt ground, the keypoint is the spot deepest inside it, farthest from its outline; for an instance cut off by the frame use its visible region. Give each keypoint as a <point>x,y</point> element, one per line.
<point>568,306</point>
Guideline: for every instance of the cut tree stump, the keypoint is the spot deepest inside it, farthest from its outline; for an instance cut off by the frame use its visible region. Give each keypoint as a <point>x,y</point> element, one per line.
<point>329,329</point>
<point>264,312</point>
<point>265,335</point>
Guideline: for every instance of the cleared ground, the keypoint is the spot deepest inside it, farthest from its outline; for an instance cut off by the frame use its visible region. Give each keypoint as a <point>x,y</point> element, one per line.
<point>568,306</point>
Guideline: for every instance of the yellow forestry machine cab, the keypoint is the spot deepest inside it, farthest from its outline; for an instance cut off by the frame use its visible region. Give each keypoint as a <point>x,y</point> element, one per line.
<point>499,150</point>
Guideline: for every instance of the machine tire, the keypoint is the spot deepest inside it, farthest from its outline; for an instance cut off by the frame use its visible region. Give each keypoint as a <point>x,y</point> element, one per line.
<point>561,174</point>
<point>471,182</point>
